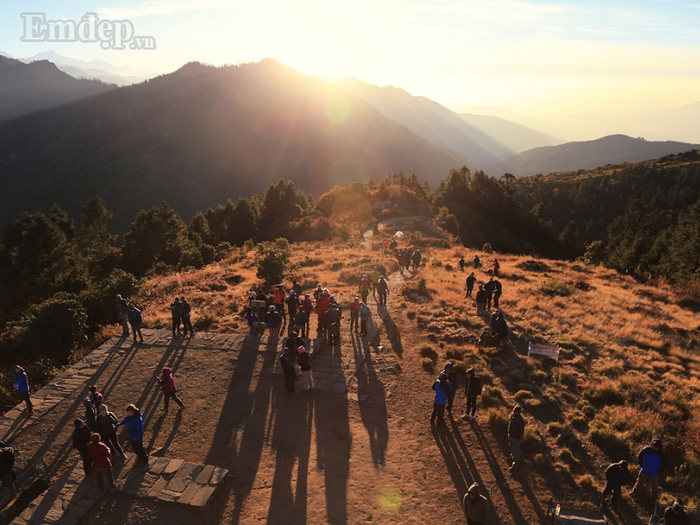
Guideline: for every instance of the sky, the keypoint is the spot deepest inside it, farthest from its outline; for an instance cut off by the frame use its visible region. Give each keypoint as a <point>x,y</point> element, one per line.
<point>534,57</point>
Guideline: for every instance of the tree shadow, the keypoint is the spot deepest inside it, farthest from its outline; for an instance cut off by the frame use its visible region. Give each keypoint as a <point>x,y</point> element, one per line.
<point>333,446</point>
<point>291,438</point>
<point>392,331</point>
<point>372,401</point>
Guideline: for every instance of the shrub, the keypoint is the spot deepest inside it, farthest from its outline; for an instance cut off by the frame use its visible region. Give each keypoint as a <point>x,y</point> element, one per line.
<point>609,442</point>
<point>52,329</point>
<point>272,259</point>
<point>497,419</point>
<point>587,482</point>
<point>491,397</point>
<point>203,321</point>
<point>487,248</point>
<point>429,352</point>
<point>541,462</point>
<point>456,354</point>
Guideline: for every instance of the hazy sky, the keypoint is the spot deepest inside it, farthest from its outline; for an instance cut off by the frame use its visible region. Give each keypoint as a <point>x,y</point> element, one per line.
<point>535,57</point>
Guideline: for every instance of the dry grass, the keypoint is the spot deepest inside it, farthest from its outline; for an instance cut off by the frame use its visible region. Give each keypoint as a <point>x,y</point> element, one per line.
<point>629,370</point>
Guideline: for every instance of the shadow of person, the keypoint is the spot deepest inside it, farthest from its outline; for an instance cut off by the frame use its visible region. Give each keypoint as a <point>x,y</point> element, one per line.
<point>392,331</point>
<point>372,402</point>
<point>291,438</point>
<point>244,412</point>
<point>333,445</point>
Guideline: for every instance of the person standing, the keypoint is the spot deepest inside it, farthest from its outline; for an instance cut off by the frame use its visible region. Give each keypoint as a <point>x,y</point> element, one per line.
<point>481,301</point>
<point>449,372</point>
<point>279,298</point>
<point>99,454</point>
<point>252,321</point>
<point>471,279</point>
<point>516,430</point>
<point>307,379</point>
<point>461,263</point>
<point>106,427</point>
<point>365,316</point>
<point>651,460</point>
<point>292,307</point>
<point>489,288</point>
<point>475,505</point>
<point>81,439</point>
<point>616,475</point>
<point>364,287</point>
<point>416,258</point>
<point>301,322</point>
<point>497,292</point>
<point>167,384</point>
<point>355,314</point>
<point>374,279</point>
<point>273,321</point>
<point>135,320</point>
<point>441,386</point>
<point>186,312</point>
<point>472,390</point>
<point>496,267</point>
<point>499,327</point>
<point>176,312</point>
<point>290,375</point>
<point>382,290</point>
<point>21,386</point>
<point>134,425</point>
<point>122,309</point>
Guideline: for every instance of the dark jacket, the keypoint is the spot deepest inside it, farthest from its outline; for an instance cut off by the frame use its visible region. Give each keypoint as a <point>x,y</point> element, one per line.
<point>382,286</point>
<point>135,317</point>
<point>287,362</point>
<point>516,426</point>
<point>81,438</point>
<point>481,297</point>
<point>106,426</point>
<point>617,475</point>
<point>273,319</point>
<point>472,387</point>
<point>475,509</point>
<point>674,516</point>
<point>489,288</point>
<point>304,362</point>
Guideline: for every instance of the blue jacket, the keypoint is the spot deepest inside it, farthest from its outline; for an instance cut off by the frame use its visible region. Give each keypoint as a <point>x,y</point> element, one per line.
<point>441,387</point>
<point>21,382</point>
<point>134,426</point>
<point>651,461</point>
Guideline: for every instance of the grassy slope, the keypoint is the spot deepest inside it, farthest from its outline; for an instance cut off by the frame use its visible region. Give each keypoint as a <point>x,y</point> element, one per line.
<point>629,368</point>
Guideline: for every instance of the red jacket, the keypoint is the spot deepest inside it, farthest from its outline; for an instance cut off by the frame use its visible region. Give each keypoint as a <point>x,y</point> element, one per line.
<point>99,454</point>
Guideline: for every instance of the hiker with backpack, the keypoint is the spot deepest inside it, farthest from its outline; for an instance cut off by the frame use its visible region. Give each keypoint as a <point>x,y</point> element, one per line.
<point>472,390</point>
<point>471,280</point>
<point>481,301</point>
<point>365,287</point>
<point>106,427</point>
<point>121,307</point>
<point>355,314</point>
<point>651,461</point>
<point>382,290</point>
<point>167,384</point>
<point>365,316</point>
<point>307,379</point>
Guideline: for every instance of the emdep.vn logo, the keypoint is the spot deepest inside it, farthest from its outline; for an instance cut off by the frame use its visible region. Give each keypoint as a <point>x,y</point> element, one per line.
<point>111,34</point>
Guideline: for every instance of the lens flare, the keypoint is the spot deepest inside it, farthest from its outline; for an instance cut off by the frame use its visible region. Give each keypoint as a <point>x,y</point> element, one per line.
<point>390,500</point>
<point>337,107</point>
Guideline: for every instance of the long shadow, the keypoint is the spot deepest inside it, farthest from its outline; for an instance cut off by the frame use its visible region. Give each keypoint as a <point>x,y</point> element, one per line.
<point>245,412</point>
<point>291,438</point>
<point>502,482</point>
<point>333,445</point>
<point>456,463</point>
<point>372,401</point>
<point>392,331</point>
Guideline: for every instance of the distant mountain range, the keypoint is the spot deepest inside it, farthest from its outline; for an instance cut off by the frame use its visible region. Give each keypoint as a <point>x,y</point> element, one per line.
<point>94,69</point>
<point>573,156</point>
<point>203,134</point>
<point>30,88</point>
